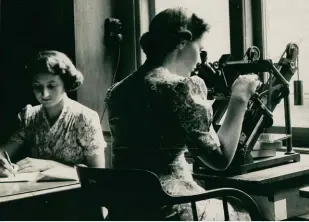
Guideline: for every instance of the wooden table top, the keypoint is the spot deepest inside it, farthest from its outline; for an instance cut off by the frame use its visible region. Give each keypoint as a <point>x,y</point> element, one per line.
<point>269,175</point>
<point>19,190</point>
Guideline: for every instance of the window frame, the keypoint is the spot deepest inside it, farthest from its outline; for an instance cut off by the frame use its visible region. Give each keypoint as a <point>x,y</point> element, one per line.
<point>298,133</point>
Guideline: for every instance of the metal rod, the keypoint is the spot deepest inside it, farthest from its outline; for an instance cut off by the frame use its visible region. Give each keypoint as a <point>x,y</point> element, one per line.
<point>254,135</point>
<point>278,75</point>
<point>273,89</point>
<point>270,90</point>
<point>288,126</point>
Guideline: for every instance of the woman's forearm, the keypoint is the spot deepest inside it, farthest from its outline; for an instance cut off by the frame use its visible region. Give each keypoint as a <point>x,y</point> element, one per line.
<point>52,164</point>
<point>229,132</point>
<point>93,161</point>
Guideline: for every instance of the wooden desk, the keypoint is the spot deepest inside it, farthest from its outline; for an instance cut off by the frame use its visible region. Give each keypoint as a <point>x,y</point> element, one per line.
<point>44,201</point>
<point>304,192</point>
<point>276,189</point>
<point>17,191</point>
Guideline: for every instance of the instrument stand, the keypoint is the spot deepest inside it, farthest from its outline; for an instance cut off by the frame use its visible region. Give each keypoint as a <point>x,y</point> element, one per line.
<point>258,164</point>
<point>262,163</point>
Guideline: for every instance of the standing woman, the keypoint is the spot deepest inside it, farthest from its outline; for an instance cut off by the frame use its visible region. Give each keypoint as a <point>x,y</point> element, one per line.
<point>159,111</point>
<point>59,132</point>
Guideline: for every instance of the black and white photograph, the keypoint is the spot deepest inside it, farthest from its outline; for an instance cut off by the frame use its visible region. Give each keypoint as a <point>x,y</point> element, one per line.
<point>154,110</point>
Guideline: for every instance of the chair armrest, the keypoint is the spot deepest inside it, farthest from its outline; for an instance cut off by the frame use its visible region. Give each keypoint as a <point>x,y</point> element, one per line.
<point>249,203</point>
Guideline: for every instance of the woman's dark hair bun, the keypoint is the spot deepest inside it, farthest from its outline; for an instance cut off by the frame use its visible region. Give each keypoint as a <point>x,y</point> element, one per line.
<point>145,43</point>
<point>185,35</point>
<point>165,42</point>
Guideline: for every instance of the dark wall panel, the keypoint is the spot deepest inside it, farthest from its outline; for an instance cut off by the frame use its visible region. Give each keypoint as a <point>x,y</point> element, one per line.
<point>28,26</point>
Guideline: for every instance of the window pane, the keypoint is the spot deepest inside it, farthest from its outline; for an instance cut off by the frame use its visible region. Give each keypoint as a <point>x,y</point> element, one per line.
<point>287,21</point>
<point>218,40</point>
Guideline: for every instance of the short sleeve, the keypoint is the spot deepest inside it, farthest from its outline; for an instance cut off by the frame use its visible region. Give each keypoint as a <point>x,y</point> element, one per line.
<point>194,113</point>
<point>19,135</point>
<point>90,135</point>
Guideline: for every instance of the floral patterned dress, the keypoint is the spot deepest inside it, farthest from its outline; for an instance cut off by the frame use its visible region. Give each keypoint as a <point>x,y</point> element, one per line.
<point>155,117</point>
<point>76,133</point>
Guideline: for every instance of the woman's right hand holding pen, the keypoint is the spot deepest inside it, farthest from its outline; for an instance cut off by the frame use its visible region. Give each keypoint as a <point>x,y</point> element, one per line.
<point>7,169</point>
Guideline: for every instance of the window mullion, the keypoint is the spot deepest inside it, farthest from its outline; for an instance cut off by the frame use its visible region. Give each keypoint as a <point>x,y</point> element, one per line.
<point>240,27</point>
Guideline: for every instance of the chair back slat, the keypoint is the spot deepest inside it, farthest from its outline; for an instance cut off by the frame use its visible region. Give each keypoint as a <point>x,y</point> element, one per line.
<point>227,195</point>
<point>194,211</point>
<point>125,193</point>
<point>225,209</point>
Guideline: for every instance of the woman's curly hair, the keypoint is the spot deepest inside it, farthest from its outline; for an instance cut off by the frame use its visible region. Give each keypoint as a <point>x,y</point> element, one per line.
<point>56,63</point>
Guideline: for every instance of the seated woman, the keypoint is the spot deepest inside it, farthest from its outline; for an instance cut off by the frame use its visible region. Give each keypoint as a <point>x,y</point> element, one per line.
<point>59,131</point>
<point>158,112</point>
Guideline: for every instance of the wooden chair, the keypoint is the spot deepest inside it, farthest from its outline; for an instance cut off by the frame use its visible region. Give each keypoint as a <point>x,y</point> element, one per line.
<point>138,194</point>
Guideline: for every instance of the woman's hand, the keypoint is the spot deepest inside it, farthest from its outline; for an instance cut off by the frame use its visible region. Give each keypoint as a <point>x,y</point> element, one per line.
<point>6,169</point>
<point>245,86</point>
<point>28,165</point>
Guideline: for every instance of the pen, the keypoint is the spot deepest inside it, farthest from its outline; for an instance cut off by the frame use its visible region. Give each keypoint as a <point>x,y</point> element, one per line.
<point>8,159</point>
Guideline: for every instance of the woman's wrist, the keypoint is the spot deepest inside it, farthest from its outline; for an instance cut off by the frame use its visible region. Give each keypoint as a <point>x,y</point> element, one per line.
<point>53,164</point>
<point>239,100</point>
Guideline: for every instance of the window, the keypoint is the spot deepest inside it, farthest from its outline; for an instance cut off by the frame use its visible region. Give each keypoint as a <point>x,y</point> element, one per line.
<point>216,14</point>
<point>287,21</point>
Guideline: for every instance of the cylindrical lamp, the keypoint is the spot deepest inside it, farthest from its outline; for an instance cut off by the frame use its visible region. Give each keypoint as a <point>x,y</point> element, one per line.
<point>298,89</point>
<point>298,93</point>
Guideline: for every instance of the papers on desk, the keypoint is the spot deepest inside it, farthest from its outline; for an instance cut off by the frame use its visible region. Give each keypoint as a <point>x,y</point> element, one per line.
<point>58,174</point>
<point>20,177</point>
<point>54,174</point>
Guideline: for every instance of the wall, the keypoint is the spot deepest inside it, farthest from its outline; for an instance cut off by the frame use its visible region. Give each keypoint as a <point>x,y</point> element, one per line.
<point>97,61</point>
<point>92,57</point>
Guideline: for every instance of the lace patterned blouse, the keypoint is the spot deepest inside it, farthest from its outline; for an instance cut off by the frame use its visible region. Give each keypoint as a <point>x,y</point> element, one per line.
<point>76,133</point>
<point>156,116</point>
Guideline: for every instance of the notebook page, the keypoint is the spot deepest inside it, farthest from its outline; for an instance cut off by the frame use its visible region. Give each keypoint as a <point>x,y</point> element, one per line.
<point>20,177</point>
